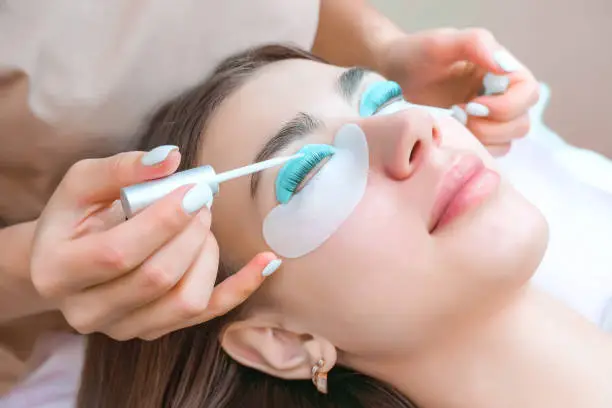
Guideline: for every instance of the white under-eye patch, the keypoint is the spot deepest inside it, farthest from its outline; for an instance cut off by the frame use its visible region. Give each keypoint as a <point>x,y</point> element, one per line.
<point>311,216</point>
<point>401,105</point>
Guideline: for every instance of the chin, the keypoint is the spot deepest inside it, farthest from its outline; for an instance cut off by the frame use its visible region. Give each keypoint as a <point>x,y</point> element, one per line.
<point>520,248</point>
<point>534,245</point>
<point>504,241</point>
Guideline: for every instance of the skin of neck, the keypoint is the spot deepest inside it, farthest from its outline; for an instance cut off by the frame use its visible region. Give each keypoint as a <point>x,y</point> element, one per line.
<point>532,352</point>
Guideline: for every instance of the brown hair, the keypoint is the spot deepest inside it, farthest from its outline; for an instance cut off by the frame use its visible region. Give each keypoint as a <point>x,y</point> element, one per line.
<point>188,368</point>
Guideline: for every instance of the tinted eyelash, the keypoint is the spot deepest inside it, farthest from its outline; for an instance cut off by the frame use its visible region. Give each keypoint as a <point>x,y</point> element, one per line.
<point>293,173</point>
<point>377,95</point>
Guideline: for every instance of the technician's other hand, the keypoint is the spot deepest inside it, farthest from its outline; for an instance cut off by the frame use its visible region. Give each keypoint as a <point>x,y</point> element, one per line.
<point>468,68</point>
<point>140,278</point>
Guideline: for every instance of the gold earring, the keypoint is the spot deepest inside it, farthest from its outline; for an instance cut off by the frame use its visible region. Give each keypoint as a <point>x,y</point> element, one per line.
<point>319,377</point>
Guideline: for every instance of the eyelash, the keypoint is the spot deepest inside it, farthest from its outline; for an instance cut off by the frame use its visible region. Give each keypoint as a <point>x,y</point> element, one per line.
<point>377,95</point>
<point>293,173</point>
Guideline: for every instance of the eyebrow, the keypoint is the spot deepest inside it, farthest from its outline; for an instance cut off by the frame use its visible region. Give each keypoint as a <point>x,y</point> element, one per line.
<point>349,81</point>
<point>304,124</point>
<point>301,125</point>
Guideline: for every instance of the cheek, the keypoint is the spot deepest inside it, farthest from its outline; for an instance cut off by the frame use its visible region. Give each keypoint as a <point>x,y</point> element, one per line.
<point>384,227</point>
<point>376,271</point>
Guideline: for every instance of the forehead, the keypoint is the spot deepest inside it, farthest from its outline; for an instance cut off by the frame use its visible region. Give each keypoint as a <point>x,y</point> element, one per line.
<point>270,97</point>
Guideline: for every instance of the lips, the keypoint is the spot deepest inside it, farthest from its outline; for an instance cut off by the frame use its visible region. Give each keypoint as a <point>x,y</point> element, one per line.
<point>464,185</point>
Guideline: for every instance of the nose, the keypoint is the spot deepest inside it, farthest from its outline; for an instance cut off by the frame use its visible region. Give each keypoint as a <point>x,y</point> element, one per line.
<point>399,142</point>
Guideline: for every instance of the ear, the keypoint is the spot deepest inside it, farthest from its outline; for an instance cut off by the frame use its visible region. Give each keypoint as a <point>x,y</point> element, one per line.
<point>276,351</point>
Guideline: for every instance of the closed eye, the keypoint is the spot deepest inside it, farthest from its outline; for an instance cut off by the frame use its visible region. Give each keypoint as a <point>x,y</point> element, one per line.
<point>293,175</point>
<point>377,95</point>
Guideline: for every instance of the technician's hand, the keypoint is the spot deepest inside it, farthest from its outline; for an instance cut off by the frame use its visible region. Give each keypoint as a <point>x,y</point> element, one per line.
<point>144,277</point>
<point>448,67</point>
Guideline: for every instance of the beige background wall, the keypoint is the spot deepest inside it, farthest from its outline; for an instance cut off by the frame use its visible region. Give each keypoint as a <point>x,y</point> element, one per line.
<point>567,44</point>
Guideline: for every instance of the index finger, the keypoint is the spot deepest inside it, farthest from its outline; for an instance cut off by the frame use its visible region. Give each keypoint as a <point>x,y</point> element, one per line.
<point>92,181</point>
<point>522,93</point>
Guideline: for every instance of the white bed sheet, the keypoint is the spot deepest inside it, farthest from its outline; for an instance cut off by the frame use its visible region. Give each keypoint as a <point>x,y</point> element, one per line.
<point>573,189</point>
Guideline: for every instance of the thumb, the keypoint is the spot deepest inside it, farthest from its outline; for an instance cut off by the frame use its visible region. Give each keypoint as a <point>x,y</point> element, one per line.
<point>99,180</point>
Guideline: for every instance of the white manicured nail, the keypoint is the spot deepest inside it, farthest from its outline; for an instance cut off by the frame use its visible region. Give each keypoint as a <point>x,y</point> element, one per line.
<point>506,61</point>
<point>271,267</point>
<point>495,84</point>
<point>477,109</point>
<point>157,155</point>
<point>209,203</point>
<point>196,198</point>
<point>459,114</point>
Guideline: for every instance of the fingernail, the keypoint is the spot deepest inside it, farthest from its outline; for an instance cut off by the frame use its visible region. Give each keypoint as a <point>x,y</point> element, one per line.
<point>157,155</point>
<point>196,198</point>
<point>271,267</point>
<point>495,84</point>
<point>209,202</point>
<point>506,61</point>
<point>477,109</point>
<point>459,114</point>
<point>206,215</point>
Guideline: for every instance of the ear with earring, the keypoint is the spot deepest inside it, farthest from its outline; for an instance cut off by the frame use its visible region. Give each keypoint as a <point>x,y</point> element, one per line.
<point>319,377</point>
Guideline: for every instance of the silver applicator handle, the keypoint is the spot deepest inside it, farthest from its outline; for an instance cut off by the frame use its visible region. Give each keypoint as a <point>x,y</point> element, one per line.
<point>139,196</point>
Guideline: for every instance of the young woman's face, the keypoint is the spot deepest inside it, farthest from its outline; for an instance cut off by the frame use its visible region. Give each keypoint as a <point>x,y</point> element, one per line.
<point>399,270</point>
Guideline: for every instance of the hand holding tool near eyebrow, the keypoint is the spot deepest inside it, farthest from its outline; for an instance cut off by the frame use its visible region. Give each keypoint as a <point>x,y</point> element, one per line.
<point>139,196</point>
